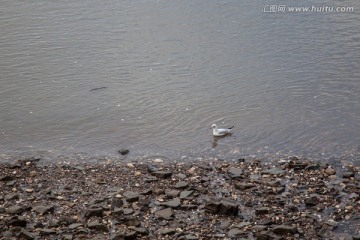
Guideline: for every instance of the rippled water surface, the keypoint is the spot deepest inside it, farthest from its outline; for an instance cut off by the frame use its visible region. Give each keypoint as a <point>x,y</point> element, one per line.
<point>164,71</point>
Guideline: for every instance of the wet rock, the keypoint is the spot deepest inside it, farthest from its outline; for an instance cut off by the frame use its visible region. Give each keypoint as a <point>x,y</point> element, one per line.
<point>262,210</point>
<point>284,229</point>
<point>235,172</point>
<point>131,196</point>
<point>162,174</point>
<point>356,237</point>
<point>165,214</point>
<point>97,226</point>
<point>123,151</point>
<point>42,209</point>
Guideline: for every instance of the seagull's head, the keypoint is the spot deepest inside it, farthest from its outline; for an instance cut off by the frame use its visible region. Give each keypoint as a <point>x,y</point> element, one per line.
<point>213,126</point>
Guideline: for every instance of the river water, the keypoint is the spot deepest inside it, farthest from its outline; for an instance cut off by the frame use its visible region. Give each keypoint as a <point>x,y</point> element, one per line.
<point>91,77</point>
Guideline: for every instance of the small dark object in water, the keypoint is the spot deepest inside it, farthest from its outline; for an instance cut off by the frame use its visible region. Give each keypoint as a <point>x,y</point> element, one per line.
<point>98,88</point>
<point>123,151</point>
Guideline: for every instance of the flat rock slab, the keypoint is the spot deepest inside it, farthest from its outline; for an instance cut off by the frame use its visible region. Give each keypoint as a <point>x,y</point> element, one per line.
<point>175,203</point>
<point>165,214</point>
<point>284,229</point>
<point>162,174</point>
<point>42,209</point>
<point>235,172</point>
<point>273,171</point>
<point>131,196</point>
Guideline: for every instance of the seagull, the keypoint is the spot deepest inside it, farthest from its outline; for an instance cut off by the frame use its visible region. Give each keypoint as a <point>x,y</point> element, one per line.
<point>217,132</point>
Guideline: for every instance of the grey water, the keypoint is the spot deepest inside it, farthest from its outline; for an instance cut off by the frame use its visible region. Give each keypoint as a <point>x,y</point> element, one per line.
<point>91,77</point>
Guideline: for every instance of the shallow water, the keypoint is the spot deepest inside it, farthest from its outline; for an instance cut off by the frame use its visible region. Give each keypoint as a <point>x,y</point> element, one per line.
<point>289,82</point>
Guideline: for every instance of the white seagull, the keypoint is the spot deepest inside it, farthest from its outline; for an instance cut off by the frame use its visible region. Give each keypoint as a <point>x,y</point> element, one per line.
<point>217,132</point>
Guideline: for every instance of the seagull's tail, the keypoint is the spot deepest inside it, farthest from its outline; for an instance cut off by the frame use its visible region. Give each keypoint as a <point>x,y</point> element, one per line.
<point>231,127</point>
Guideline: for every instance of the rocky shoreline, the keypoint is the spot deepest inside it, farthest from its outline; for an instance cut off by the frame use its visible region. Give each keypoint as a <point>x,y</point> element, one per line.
<point>245,199</point>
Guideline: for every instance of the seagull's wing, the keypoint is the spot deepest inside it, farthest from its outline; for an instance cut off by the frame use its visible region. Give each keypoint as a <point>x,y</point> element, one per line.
<point>223,130</point>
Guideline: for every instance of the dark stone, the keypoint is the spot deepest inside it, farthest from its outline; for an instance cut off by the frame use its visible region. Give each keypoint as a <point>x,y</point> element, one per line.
<point>97,226</point>
<point>167,231</point>
<point>116,203</point>
<point>6,178</point>
<point>262,210</point>
<point>212,206</point>
<point>313,167</point>
<point>123,151</point>
<point>15,209</point>
<point>141,231</point>
<point>131,221</point>
<point>75,225</point>
<point>165,214</point>
<point>172,193</point>
<point>235,172</point>
<point>152,168</point>
<point>228,207</point>
<point>47,231</point>
<point>93,212</point>
<point>147,192</point>
<point>128,211</point>
<point>241,225</point>
<point>11,183</point>
<point>284,229</point>
<point>244,186</point>
<point>42,209</point>
<point>225,224</point>
<point>12,196</point>
<point>162,174</point>
<point>65,221</point>
<point>18,221</point>
<point>175,203</point>
<point>131,196</point>
<point>181,184</point>
<point>356,237</point>
<point>234,233</point>
<point>348,174</point>
<point>23,234</point>
<point>150,179</point>
<point>313,200</point>
<point>186,194</point>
